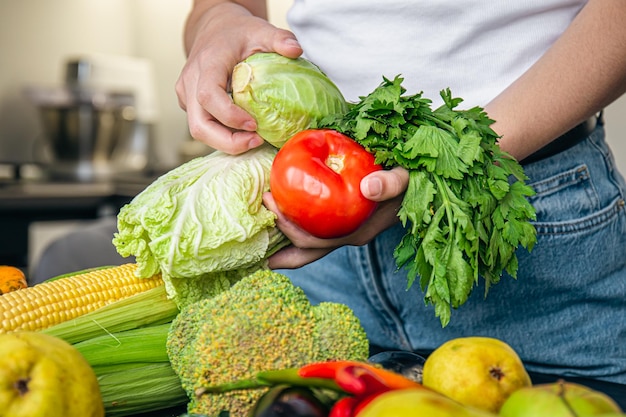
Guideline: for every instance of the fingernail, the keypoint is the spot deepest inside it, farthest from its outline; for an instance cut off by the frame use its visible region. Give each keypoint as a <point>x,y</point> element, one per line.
<point>254,142</point>
<point>374,187</point>
<point>250,125</point>
<point>292,42</point>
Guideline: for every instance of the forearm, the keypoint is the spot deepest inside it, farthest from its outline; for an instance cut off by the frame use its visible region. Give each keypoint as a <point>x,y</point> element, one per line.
<point>201,10</point>
<point>584,71</point>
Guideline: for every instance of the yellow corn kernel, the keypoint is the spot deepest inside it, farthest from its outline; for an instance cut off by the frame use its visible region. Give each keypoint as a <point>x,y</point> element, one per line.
<point>55,301</point>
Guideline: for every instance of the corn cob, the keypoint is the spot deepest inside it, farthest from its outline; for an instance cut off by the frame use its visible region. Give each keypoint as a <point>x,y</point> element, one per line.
<point>55,301</point>
<point>147,308</point>
<point>124,342</point>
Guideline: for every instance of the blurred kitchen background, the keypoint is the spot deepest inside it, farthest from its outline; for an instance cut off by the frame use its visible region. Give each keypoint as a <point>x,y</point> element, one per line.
<point>102,71</point>
<point>74,69</point>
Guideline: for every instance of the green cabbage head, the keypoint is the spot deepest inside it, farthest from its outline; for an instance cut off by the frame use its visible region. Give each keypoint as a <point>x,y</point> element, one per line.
<point>284,95</point>
<point>202,225</point>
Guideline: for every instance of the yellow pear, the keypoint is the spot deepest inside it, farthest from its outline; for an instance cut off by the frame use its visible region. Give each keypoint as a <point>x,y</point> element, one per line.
<point>43,376</point>
<point>478,371</point>
<point>418,402</point>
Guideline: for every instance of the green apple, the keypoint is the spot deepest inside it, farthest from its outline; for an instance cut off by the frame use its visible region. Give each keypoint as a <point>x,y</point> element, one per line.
<point>481,372</point>
<point>611,415</point>
<point>418,402</point>
<point>559,399</point>
<point>43,376</point>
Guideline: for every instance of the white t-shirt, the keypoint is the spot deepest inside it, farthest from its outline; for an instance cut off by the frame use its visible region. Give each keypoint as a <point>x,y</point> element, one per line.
<point>476,48</point>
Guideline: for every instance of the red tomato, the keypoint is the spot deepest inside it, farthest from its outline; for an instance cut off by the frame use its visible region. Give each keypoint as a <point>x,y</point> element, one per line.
<point>315,181</point>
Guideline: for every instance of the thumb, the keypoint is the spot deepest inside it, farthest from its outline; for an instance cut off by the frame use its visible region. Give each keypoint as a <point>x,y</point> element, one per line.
<point>385,185</point>
<point>286,44</point>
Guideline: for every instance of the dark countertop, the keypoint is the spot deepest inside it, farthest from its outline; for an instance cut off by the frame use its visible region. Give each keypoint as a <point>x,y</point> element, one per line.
<point>24,201</point>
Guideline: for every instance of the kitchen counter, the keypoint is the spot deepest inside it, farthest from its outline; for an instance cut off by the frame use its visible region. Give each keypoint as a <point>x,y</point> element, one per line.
<point>23,202</point>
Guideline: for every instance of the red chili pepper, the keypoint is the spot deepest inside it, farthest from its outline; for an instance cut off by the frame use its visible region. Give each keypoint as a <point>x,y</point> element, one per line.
<point>358,378</point>
<point>344,407</point>
<point>362,380</point>
<point>366,380</point>
<point>362,403</point>
<point>326,369</point>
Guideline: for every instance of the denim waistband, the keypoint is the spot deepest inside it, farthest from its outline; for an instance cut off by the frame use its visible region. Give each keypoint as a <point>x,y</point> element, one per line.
<point>567,140</point>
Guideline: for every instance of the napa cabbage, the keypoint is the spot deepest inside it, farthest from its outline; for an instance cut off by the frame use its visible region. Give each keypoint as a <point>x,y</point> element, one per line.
<point>202,225</point>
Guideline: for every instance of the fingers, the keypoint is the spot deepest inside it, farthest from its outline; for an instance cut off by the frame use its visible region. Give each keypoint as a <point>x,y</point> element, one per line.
<point>293,257</point>
<point>202,87</point>
<point>303,249</point>
<point>296,235</point>
<point>385,185</point>
<point>207,128</point>
<point>307,248</point>
<point>212,117</point>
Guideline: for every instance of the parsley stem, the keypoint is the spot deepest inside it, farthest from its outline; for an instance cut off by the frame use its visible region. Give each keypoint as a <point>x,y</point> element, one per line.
<point>440,123</point>
<point>444,192</point>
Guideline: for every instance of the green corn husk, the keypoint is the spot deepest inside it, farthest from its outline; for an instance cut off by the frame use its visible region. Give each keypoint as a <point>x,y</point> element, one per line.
<point>134,371</point>
<point>141,388</point>
<point>112,352</point>
<point>144,309</point>
<point>124,342</point>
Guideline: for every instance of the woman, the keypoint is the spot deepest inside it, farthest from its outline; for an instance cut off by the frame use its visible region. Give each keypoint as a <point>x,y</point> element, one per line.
<point>544,70</point>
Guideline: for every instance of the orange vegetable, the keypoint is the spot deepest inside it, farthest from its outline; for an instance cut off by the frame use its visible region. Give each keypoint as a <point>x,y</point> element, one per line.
<point>11,279</point>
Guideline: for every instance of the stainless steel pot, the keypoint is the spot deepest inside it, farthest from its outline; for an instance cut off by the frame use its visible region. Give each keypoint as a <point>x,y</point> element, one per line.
<point>89,135</point>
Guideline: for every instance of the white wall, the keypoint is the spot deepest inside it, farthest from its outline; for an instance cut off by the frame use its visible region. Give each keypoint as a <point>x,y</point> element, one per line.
<point>615,116</point>
<point>37,35</point>
<point>158,28</point>
<point>277,11</point>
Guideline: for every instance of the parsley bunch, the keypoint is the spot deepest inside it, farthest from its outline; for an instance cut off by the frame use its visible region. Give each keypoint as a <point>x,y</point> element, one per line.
<point>465,209</point>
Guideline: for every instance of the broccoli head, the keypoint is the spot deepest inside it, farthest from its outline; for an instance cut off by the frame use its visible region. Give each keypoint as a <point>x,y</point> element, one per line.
<point>263,322</point>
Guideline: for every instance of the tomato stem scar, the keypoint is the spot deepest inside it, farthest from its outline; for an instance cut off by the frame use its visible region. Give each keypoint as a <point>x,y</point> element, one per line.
<point>335,162</point>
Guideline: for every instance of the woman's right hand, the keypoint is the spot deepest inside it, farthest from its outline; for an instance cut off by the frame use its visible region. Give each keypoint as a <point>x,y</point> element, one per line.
<point>386,187</point>
<point>217,37</point>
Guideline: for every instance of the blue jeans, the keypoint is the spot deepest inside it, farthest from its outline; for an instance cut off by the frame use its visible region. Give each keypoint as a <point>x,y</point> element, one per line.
<point>566,312</point>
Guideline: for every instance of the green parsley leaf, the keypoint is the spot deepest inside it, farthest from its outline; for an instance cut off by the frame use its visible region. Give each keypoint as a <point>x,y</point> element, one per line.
<point>465,209</point>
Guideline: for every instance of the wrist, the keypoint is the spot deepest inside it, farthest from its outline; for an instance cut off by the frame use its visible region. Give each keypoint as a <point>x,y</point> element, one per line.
<point>205,13</point>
